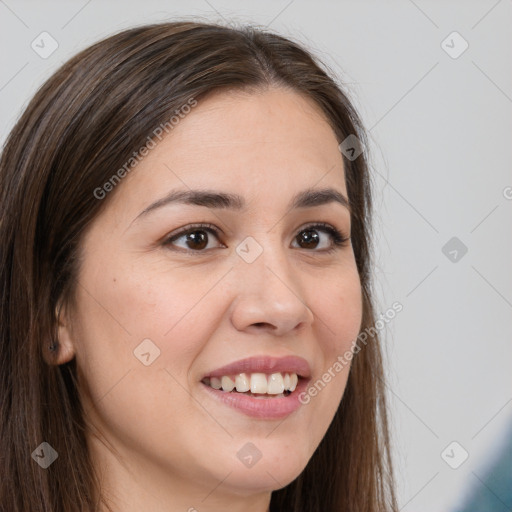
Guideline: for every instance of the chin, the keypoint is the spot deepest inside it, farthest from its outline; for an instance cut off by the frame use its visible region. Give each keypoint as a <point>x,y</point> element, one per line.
<point>268,469</point>
<point>262,480</point>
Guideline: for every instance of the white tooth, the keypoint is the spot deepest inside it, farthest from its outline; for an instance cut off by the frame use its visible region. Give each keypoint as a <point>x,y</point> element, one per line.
<point>215,382</point>
<point>258,383</point>
<point>293,381</point>
<point>286,381</point>
<point>227,383</point>
<point>275,384</point>
<point>242,383</point>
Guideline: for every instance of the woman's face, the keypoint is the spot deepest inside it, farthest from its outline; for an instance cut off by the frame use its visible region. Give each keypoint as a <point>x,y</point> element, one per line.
<point>160,313</point>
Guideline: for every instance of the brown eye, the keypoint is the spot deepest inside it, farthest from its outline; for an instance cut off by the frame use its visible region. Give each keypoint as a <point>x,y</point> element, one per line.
<point>195,238</point>
<point>310,239</point>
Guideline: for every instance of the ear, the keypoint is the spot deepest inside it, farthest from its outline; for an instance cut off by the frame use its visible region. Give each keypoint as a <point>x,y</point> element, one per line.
<point>61,349</point>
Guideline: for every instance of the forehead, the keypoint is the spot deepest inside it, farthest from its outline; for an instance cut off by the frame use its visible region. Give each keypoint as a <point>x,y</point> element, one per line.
<point>275,141</point>
<point>275,116</point>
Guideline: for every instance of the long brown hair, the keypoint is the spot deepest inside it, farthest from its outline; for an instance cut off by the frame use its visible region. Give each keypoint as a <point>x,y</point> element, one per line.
<point>86,121</point>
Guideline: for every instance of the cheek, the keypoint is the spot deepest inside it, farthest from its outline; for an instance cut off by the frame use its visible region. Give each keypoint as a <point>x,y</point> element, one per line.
<point>131,317</point>
<point>338,308</point>
<point>136,386</point>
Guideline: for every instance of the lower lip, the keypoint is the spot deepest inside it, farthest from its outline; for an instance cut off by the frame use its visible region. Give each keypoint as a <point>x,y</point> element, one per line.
<point>262,408</point>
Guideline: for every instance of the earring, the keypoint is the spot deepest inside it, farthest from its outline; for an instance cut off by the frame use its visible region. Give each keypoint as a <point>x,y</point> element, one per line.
<point>53,347</point>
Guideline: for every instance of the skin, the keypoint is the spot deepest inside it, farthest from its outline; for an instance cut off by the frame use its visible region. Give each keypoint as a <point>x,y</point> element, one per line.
<point>158,441</point>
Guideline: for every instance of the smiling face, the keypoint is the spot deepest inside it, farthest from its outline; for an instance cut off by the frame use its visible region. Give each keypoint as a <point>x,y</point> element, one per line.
<point>258,278</point>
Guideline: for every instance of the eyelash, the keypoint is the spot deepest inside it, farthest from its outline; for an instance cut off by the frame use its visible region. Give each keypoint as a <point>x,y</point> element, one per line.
<point>339,238</point>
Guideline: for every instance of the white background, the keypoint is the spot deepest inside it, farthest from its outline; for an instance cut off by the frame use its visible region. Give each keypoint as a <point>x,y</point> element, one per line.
<point>441,143</point>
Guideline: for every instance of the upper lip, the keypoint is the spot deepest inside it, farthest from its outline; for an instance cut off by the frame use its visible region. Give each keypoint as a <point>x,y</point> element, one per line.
<point>265,364</point>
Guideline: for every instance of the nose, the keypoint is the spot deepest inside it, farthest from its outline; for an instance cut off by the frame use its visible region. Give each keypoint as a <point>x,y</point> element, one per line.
<point>269,295</point>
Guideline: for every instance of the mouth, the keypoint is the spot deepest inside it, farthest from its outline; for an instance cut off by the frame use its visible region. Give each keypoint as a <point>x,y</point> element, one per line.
<point>257,385</point>
<point>261,387</point>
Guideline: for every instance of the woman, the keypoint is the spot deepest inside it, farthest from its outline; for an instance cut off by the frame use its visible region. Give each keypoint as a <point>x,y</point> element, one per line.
<point>185,271</point>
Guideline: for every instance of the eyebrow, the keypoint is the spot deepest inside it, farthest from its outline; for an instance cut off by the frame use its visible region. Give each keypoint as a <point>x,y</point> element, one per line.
<point>308,198</point>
